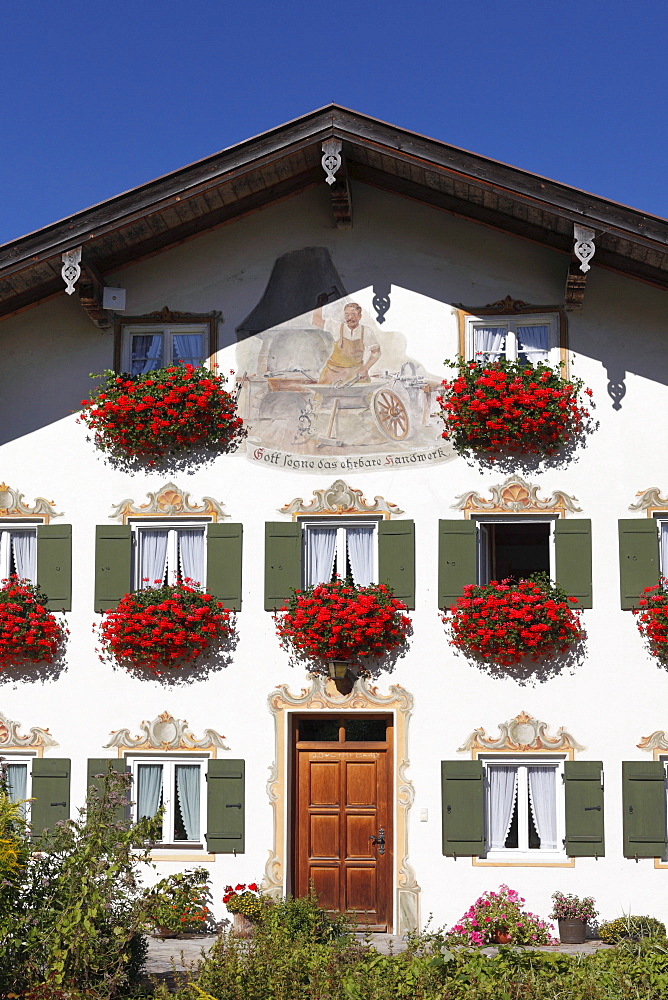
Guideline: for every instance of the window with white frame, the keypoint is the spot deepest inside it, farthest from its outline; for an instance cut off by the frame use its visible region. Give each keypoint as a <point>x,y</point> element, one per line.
<point>18,552</point>
<point>514,548</point>
<point>524,808</point>
<point>166,553</point>
<point>176,785</point>
<point>344,549</point>
<point>18,780</point>
<point>523,338</point>
<point>146,347</point>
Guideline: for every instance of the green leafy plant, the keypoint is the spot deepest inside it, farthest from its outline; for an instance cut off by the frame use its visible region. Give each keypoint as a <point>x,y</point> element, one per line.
<point>570,907</point>
<point>180,902</point>
<point>630,928</point>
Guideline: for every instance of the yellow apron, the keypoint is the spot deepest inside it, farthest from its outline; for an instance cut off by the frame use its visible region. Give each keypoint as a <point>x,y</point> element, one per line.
<point>347,355</point>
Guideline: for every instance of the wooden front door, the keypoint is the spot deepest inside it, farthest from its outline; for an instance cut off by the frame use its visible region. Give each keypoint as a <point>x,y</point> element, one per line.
<point>343,815</point>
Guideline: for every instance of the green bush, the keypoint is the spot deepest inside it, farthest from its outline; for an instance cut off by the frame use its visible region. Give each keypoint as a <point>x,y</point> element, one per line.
<point>630,928</point>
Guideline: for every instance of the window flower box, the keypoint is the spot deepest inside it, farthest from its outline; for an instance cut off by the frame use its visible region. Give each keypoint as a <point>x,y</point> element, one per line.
<point>162,628</point>
<point>29,632</point>
<point>500,408</point>
<point>338,621</point>
<point>652,620</point>
<point>164,411</point>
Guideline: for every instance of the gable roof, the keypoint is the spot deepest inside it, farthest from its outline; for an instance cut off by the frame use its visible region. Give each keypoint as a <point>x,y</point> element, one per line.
<point>286,160</point>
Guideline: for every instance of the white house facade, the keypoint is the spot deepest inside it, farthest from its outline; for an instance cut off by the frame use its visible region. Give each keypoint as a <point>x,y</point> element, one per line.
<point>338,243</point>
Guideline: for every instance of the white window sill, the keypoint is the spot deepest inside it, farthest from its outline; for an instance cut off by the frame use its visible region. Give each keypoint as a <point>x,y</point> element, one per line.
<point>525,859</point>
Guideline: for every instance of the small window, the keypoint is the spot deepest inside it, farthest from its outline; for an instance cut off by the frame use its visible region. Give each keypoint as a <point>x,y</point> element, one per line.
<point>347,729</point>
<point>345,550</point>
<point>176,785</point>
<point>524,808</point>
<point>18,553</point>
<point>513,548</point>
<point>167,554</point>
<point>529,339</point>
<point>18,779</point>
<point>147,347</point>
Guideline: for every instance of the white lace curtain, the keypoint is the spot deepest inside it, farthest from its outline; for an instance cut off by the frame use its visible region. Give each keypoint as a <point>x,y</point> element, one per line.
<point>187,348</point>
<point>360,552</point>
<point>191,555</point>
<point>24,554</point>
<point>488,344</point>
<point>152,558</point>
<point>320,552</point>
<point>533,343</point>
<point>146,353</point>
<point>543,801</point>
<point>502,796</point>
<point>187,790</point>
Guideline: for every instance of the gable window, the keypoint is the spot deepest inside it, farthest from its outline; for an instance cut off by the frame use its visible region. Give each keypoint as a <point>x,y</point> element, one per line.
<point>530,339</point>
<point>18,553</point>
<point>524,808</point>
<point>166,554</point>
<point>176,786</point>
<point>514,548</point>
<point>340,549</point>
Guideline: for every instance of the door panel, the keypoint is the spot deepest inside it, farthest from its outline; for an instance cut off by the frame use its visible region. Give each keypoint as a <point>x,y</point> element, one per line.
<point>342,801</point>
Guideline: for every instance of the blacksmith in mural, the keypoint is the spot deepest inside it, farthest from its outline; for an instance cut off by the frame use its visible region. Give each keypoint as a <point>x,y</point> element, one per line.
<point>356,348</point>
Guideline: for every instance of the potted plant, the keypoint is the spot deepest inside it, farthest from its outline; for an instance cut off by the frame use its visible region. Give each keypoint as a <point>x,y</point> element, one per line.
<point>504,623</point>
<point>652,620</point>
<point>503,407</point>
<point>164,411</point>
<point>499,918</point>
<point>164,627</point>
<point>573,914</point>
<point>339,622</point>
<point>29,632</point>
<point>246,905</point>
<point>178,904</point>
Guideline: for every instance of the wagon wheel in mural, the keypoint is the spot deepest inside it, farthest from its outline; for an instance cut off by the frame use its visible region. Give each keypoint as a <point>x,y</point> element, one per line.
<point>390,415</point>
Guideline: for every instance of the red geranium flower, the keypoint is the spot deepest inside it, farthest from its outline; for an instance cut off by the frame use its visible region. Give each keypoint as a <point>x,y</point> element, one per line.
<point>652,620</point>
<point>29,632</point>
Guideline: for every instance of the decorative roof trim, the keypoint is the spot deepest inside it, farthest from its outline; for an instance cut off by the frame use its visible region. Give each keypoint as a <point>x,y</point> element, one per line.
<point>339,498</point>
<point>12,505</point>
<point>165,733</point>
<point>169,501</point>
<point>516,496</point>
<point>523,733</point>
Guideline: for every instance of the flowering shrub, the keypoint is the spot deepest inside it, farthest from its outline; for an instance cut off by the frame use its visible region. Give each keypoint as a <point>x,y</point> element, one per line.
<point>166,410</point>
<point>164,627</point>
<point>511,407</point>
<point>245,899</point>
<point>29,632</point>
<point>652,620</point>
<point>571,907</point>
<point>340,621</point>
<point>178,902</point>
<point>630,928</point>
<point>500,911</point>
<point>505,622</point>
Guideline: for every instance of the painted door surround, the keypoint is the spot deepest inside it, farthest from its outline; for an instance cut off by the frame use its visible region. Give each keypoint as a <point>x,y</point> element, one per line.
<point>321,696</point>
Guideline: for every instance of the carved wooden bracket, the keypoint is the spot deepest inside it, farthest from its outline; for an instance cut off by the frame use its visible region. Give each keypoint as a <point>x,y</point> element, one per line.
<point>583,251</point>
<point>522,733</point>
<point>336,176</point>
<point>91,285</point>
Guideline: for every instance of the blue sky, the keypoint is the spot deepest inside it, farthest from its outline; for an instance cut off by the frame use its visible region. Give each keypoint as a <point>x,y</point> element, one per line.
<point>100,97</point>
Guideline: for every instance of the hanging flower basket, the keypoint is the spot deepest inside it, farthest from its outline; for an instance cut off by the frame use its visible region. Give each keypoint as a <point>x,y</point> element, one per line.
<point>510,407</point>
<point>29,632</point>
<point>165,411</point>
<point>162,628</point>
<point>506,623</point>
<point>339,621</point>
<point>652,620</point>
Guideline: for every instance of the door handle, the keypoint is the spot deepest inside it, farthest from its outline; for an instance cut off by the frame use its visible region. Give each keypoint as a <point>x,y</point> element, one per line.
<point>379,840</point>
<point>233,805</point>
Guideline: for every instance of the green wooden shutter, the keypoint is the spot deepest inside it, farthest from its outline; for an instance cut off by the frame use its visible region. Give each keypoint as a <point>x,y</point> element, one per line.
<point>100,766</point>
<point>282,562</point>
<point>223,563</point>
<point>50,793</point>
<point>113,564</point>
<point>462,803</point>
<point>225,806</point>
<point>584,808</point>
<point>54,564</point>
<point>644,808</point>
<point>457,559</point>
<point>572,543</point>
<point>396,559</point>
<point>638,558</point>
